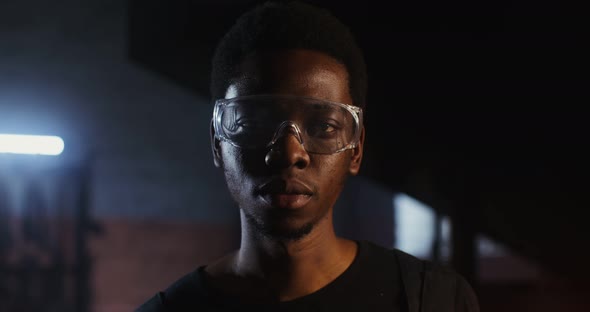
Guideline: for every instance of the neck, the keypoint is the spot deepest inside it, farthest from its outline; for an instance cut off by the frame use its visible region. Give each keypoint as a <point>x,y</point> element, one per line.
<point>293,268</point>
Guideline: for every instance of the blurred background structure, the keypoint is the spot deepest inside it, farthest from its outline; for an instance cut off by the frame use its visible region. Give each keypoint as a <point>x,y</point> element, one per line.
<point>476,156</point>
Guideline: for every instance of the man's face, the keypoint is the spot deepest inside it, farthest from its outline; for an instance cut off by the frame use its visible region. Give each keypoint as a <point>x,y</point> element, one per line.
<point>287,191</point>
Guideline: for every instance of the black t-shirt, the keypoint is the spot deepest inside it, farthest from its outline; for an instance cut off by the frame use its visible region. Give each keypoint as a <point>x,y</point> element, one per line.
<point>371,283</point>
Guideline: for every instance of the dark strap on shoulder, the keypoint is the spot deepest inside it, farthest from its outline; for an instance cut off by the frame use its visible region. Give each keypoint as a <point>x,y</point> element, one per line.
<point>439,291</point>
<point>187,293</point>
<point>411,270</point>
<point>154,304</point>
<point>434,288</point>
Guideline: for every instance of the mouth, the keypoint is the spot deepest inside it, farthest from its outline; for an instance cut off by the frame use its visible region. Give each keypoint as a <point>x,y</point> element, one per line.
<point>286,194</point>
<point>287,201</point>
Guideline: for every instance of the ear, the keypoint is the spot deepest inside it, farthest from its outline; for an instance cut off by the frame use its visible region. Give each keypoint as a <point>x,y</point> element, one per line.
<point>215,147</point>
<point>357,155</point>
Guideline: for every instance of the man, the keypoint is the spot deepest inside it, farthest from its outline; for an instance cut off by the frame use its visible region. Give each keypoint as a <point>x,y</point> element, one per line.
<point>289,86</point>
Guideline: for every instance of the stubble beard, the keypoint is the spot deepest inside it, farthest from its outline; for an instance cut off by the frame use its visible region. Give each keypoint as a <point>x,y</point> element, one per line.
<point>274,232</point>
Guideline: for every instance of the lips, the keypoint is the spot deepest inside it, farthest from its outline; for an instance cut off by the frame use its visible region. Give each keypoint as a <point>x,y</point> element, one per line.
<point>286,194</point>
<point>287,201</point>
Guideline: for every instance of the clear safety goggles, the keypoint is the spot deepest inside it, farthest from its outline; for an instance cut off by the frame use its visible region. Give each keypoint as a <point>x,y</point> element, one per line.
<point>259,121</point>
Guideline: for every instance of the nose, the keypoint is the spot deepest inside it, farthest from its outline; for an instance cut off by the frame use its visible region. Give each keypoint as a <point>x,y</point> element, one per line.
<point>286,148</point>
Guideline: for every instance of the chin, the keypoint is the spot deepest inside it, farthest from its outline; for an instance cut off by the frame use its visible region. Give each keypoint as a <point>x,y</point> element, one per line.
<point>280,229</point>
<point>291,234</point>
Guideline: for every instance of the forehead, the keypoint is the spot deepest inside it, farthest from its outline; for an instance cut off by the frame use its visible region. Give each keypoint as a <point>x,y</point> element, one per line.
<point>292,72</point>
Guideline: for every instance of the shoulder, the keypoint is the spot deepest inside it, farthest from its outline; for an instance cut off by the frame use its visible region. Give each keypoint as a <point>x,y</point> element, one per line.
<point>435,285</point>
<point>187,291</point>
<point>154,304</point>
<point>444,284</point>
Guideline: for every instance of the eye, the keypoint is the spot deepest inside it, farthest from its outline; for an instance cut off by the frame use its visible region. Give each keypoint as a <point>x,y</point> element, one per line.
<point>244,123</point>
<point>326,127</point>
<point>322,129</point>
<point>240,125</point>
<point>250,125</point>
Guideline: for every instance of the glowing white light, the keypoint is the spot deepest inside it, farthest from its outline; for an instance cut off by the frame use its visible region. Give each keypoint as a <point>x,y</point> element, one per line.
<point>415,226</point>
<point>31,144</point>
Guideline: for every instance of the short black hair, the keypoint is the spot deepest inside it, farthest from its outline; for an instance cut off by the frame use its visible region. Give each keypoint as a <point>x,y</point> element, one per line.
<point>281,25</point>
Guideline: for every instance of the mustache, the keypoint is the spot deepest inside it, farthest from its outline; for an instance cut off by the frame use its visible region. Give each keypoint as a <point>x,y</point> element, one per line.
<point>285,186</point>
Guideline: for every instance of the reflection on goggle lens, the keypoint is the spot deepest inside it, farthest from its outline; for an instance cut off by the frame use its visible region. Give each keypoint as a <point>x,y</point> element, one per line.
<point>258,121</point>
